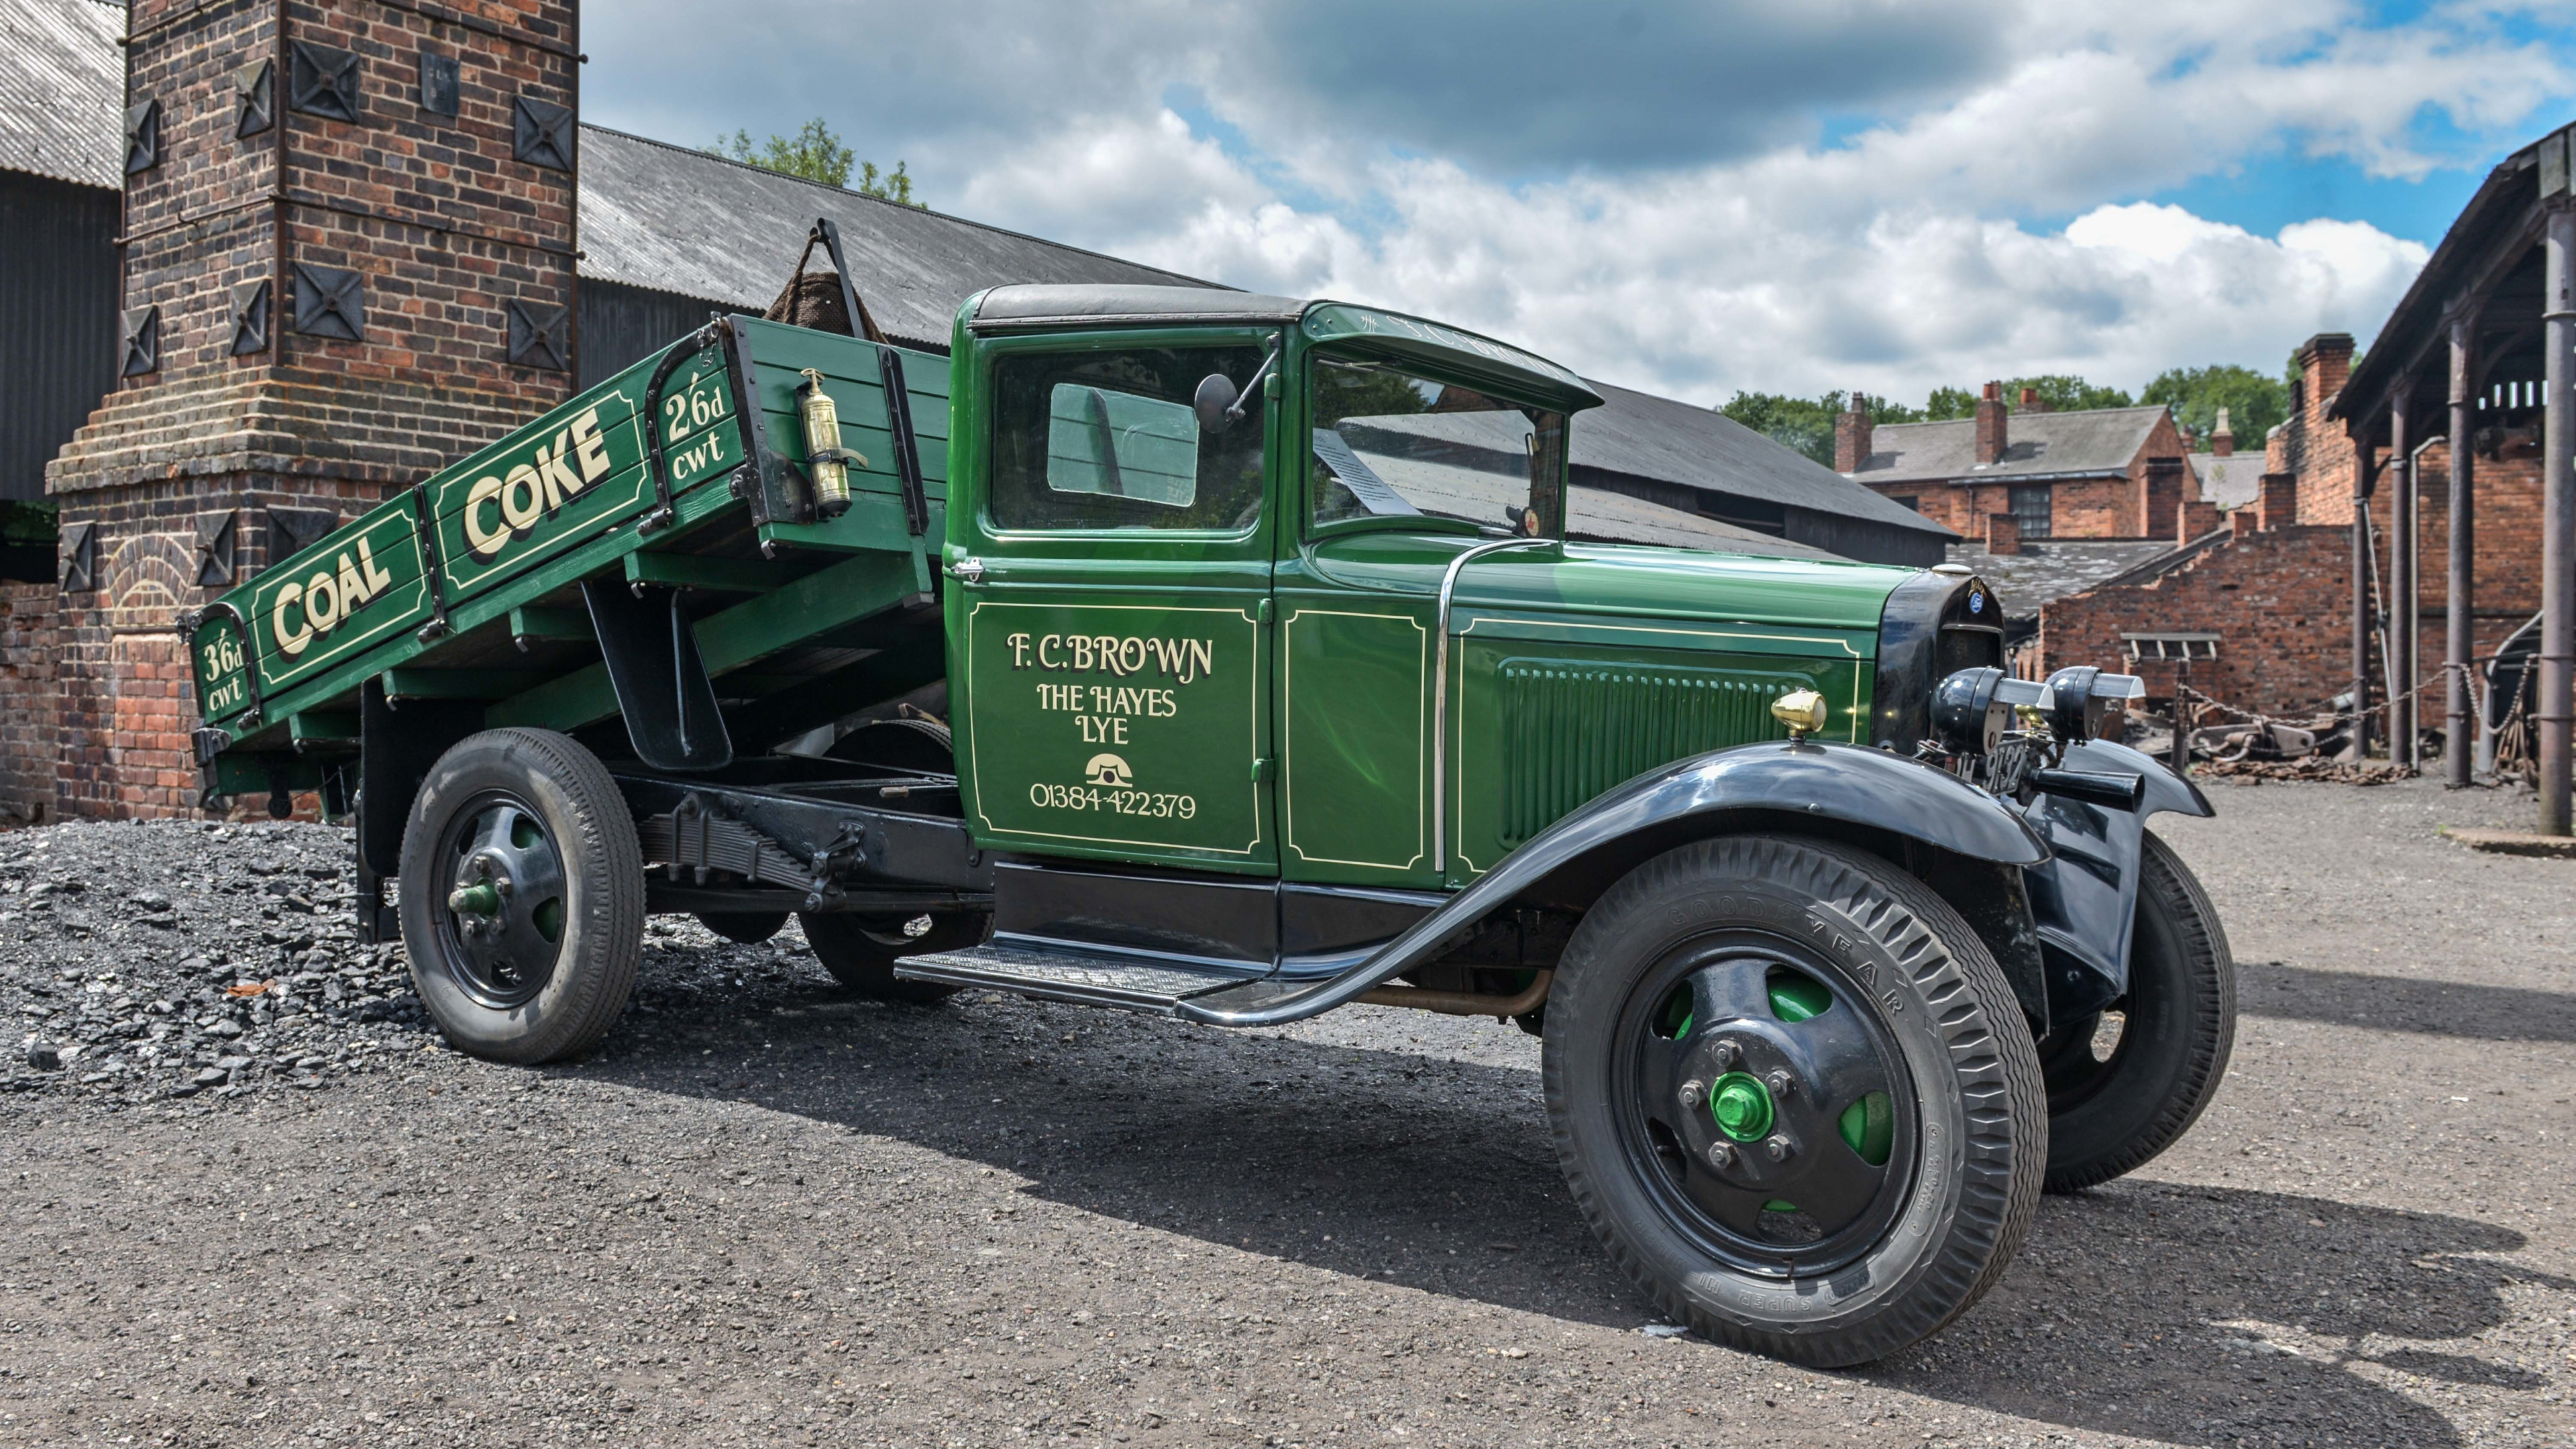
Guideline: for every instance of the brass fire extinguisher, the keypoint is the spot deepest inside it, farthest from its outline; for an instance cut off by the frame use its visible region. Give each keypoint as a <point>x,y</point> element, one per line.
<point>825,459</point>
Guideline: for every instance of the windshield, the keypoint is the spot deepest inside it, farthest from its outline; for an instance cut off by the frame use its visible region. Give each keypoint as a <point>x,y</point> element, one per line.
<point>1391,443</point>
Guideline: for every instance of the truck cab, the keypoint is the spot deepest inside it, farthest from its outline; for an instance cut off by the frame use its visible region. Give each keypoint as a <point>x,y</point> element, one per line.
<point>1264,635</point>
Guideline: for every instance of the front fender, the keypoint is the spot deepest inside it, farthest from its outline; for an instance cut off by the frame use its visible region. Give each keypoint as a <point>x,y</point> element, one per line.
<point>2084,898</point>
<point>1847,784</point>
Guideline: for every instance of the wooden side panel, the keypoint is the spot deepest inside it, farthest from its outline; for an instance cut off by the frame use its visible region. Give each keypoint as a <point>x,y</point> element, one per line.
<point>348,593</point>
<point>578,472</point>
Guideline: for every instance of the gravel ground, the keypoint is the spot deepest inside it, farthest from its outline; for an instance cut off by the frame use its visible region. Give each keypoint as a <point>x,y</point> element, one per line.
<point>768,1214</point>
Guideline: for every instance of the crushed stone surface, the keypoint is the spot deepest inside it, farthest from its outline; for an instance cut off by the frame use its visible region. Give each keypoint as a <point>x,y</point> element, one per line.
<point>768,1213</point>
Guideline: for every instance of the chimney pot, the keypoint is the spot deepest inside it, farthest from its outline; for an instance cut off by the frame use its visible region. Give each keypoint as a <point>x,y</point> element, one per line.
<point>1993,437</point>
<point>2222,442</point>
<point>1852,436</point>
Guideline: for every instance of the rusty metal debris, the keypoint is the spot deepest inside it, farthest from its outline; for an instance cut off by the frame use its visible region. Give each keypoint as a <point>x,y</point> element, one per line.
<point>2309,767</point>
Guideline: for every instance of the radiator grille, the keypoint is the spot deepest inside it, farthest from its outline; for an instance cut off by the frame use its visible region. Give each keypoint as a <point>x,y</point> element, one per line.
<point>1571,731</point>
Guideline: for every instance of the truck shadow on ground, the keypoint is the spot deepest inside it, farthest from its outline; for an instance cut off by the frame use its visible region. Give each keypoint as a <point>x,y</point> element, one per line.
<point>2396,1003</point>
<point>2143,1308</point>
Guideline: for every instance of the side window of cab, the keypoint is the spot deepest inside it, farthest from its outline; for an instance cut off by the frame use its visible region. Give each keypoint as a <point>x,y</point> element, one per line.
<point>1108,440</point>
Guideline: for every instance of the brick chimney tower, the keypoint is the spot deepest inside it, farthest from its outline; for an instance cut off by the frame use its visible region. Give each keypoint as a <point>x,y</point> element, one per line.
<point>1991,440</point>
<point>2222,442</point>
<point>1851,436</point>
<point>348,258</point>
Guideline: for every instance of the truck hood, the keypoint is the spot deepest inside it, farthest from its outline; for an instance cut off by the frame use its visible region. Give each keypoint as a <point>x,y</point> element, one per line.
<point>1635,581</point>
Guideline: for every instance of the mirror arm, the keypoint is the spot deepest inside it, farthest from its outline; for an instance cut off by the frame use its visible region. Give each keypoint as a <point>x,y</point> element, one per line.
<point>1235,412</point>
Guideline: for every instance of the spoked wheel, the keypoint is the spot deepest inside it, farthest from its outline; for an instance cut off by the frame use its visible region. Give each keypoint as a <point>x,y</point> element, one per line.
<point>522,896</point>
<point>2127,1082</point>
<point>1794,1096</point>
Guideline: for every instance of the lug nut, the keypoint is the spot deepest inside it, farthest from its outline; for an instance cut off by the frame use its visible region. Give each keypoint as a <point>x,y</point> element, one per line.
<point>1778,1147</point>
<point>1726,1054</point>
<point>1693,1093</point>
<point>1721,1155</point>
<point>1782,1084</point>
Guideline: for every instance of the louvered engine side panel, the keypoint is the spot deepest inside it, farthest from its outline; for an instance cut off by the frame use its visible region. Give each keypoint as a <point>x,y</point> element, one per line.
<point>1572,731</point>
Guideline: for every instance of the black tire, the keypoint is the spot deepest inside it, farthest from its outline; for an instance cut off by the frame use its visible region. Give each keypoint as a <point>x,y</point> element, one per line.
<point>860,950</point>
<point>1913,1002</point>
<point>544,973</point>
<point>745,928</point>
<point>2108,1115</point>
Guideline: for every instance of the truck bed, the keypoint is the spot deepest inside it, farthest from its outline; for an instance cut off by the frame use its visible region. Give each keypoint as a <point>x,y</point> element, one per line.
<point>467,587</point>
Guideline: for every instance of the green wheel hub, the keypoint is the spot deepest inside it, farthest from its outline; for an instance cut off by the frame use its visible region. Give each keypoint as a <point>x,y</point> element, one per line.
<point>1741,1105</point>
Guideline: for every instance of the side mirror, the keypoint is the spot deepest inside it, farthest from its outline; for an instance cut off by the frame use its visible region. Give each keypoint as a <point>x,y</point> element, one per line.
<point>1214,403</point>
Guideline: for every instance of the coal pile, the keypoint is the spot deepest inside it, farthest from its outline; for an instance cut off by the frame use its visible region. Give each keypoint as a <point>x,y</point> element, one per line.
<point>172,960</point>
<point>181,959</point>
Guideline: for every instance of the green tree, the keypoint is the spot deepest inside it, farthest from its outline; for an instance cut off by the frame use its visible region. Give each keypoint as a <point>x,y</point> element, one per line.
<point>895,186</point>
<point>2254,403</point>
<point>2061,392</point>
<point>1806,425</point>
<point>815,154</point>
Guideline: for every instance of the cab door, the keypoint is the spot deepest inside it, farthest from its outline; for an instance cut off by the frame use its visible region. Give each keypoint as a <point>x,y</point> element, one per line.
<point>1109,602</point>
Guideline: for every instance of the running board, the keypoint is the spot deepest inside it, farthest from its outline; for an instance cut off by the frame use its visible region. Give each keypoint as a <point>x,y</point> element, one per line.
<point>1083,978</point>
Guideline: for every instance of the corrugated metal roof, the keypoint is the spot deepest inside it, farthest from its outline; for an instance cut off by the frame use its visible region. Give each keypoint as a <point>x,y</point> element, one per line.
<point>676,220</point>
<point>1479,494</point>
<point>1646,436</point>
<point>62,88</point>
<point>2098,440</point>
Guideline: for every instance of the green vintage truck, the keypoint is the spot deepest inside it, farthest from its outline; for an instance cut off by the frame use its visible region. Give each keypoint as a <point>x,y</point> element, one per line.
<point>1223,656</point>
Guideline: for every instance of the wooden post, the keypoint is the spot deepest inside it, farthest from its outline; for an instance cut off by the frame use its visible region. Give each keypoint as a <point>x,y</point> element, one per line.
<point>2555,709</point>
<point>2401,583</point>
<point>2361,489</point>
<point>2459,600</point>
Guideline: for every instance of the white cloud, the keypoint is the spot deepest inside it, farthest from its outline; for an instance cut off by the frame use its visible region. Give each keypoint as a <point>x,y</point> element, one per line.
<point>1913,251</point>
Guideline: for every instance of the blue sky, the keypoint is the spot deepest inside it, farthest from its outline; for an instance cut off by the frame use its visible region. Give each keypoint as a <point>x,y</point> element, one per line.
<point>1693,198</point>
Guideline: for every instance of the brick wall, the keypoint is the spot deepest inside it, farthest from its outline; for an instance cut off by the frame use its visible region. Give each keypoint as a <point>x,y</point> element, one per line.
<point>446,224</point>
<point>2153,489</point>
<point>28,702</point>
<point>2308,444</point>
<point>2079,508</point>
<point>2111,506</point>
<point>2277,599</point>
<point>2506,551</point>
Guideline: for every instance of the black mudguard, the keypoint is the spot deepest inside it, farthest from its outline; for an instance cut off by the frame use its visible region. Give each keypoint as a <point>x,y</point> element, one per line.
<point>2084,898</point>
<point>1847,784</point>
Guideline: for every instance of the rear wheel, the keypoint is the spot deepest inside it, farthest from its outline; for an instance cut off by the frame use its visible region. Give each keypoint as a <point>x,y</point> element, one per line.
<point>522,897</point>
<point>2125,1083</point>
<point>1793,1094</point>
<point>860,950</point>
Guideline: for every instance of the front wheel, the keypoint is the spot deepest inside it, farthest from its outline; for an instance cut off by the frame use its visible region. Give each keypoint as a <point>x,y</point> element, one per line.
<point>522,896</point>
<point>2127,1082</point>
<point>1794,1096</point>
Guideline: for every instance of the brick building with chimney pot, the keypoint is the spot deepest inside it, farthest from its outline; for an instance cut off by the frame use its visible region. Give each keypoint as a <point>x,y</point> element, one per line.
<point>2020,467</point>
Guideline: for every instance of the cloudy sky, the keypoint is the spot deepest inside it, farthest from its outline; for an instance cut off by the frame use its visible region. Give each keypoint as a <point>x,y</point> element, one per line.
<point>1692,197</point>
